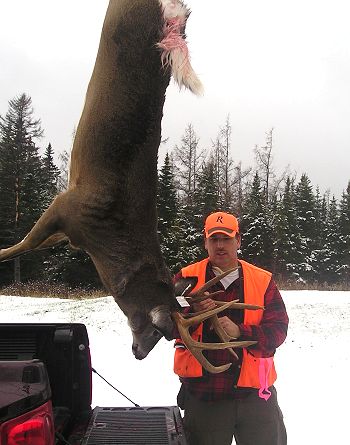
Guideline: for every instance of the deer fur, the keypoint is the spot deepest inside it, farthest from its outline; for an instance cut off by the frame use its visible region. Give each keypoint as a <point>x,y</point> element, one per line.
<point>109,209</point>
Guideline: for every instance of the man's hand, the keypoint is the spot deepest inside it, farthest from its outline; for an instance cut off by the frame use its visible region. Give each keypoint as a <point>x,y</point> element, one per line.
<point>204,305</point>
<point>230,327</point>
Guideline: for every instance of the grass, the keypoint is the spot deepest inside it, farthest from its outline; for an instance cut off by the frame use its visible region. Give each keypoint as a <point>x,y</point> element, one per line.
<point>41,289</point>
<point>285,285</point>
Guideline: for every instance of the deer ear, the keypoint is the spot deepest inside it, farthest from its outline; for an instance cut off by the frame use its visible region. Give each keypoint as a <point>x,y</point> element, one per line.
<point>161,319</point>
<point>185,285</point>
<point>137,321</point>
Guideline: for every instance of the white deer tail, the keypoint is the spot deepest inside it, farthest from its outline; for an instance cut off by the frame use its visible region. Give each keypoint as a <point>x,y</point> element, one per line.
<point>174,47</point>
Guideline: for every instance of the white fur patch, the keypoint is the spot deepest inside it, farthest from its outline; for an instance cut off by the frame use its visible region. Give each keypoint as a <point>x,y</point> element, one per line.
<point>174,47</point>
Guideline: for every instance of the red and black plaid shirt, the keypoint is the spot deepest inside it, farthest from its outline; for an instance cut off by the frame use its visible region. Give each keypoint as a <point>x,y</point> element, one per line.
<point>270,334</point>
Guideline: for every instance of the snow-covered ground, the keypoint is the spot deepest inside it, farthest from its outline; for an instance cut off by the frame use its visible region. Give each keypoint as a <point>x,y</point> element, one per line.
<point>313,364</point>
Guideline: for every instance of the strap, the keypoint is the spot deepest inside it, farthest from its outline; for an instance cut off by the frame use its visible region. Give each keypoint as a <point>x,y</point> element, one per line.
<point>264,392</point>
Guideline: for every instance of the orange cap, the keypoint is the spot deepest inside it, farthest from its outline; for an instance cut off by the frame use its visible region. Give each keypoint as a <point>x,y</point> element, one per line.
<point>221,222</point>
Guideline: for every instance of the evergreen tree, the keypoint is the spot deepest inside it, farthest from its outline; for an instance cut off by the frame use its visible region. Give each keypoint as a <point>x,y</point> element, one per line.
<point>344,235</point>
<point>20,174</point>
<point>285,232</point>
<point>50,174</point>
<point>72,267</point>
<point>167,206</point>
<point>206,197</point>
<point>306,229</point>
<point>190,246</point>
<point>239,185</point>
<point>257,234</point>
<point>331,258</point>
<point>319,253</point>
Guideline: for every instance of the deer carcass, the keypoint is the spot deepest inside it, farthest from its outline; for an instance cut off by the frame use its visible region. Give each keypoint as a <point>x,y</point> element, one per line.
<point>109,209</point>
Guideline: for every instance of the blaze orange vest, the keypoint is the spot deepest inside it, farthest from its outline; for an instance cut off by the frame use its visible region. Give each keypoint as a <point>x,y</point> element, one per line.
<point>256,281</point>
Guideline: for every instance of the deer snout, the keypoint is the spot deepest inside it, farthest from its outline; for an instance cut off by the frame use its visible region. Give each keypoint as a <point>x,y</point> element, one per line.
<point>144,342</point>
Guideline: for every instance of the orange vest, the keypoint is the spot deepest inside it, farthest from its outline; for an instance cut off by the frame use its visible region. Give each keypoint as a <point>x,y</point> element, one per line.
<point>256,281</point>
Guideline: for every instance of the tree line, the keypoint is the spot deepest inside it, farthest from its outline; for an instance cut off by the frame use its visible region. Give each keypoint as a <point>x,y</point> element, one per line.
<point>287,227</point>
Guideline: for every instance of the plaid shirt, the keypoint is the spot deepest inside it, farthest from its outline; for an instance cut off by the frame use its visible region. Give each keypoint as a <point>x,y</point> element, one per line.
<point>270,334</point>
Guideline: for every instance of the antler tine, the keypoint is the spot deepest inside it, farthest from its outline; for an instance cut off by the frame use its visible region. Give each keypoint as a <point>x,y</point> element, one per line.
<point>204,311</point>
<point>197,348</point>
<point>222,334</point>
<point>199,317</point>
<point>197,299</point>
<point>195,296</point>
<point>236,305</point>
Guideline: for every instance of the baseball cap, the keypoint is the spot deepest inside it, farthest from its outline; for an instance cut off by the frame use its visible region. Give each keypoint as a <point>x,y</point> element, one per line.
<point>221,222</point>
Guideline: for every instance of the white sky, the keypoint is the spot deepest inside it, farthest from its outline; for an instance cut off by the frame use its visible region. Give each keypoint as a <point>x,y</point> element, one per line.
<point>313,364</point>
<point>267,63</point>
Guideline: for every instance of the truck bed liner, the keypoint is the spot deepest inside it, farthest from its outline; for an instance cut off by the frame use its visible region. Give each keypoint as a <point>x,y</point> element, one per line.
<point>135,426</point>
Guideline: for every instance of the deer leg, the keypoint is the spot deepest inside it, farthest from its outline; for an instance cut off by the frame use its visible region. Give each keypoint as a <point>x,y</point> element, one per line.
<point>54,240</point>
<point>44,234</point>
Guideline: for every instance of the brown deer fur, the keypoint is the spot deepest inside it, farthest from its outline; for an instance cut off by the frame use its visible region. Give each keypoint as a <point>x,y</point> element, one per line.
<point>109,209</point>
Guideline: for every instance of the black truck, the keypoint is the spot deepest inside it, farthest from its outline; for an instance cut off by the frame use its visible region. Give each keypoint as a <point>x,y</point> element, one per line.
<point>46,388</point>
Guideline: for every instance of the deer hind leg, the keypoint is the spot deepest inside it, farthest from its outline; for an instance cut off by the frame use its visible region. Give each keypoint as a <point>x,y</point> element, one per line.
<point>45,233</point>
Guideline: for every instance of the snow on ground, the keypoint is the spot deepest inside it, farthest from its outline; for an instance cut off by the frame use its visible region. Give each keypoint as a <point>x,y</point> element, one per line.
<point>313,364</point>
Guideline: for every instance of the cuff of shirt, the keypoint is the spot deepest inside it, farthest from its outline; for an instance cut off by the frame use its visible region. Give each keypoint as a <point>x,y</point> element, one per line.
<point>246,332</point>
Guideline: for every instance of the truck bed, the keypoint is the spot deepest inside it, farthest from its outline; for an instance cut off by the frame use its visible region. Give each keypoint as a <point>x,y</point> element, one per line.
<point>60,353</point>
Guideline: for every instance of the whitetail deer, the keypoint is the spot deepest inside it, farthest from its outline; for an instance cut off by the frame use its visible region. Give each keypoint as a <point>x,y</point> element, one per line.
<point>109,209</point>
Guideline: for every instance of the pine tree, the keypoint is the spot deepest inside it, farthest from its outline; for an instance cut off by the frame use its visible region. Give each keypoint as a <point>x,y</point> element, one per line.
<point>331,244</point>
<point>306,229</point>
<point>344,235</point>
<point>206,197</point>
<point>319,253</point>
<point>167,206</point>
<point>20,173</point>
<point>239,186</point>
<point>49,176</point>
<point>257,234</point>
<point>190,239</point>
<point>285,232</point>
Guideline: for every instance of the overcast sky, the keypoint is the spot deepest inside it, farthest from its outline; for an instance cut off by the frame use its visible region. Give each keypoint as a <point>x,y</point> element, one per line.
<point>267,63</point>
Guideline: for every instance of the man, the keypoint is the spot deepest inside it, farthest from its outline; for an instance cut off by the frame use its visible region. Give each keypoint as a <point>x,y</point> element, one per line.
<point>242,401</point>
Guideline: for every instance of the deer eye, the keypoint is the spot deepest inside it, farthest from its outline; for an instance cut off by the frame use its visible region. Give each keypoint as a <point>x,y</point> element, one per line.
<point>156,333</point>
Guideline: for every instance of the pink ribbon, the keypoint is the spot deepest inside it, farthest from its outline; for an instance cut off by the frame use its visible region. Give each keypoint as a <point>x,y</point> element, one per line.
<point>265,365</point>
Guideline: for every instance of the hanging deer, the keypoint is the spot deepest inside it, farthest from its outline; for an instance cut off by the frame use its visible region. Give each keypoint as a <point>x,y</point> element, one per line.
<point>109,208</point>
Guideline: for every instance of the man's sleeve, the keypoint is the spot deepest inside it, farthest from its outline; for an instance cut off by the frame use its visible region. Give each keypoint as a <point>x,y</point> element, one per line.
<point>272,330</point>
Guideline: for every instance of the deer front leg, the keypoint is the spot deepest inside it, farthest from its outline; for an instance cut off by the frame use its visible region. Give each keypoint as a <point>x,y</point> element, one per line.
<point>44,234</point>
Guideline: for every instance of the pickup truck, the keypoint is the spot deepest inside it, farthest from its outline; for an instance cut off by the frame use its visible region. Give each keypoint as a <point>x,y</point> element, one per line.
<point>46,388</point>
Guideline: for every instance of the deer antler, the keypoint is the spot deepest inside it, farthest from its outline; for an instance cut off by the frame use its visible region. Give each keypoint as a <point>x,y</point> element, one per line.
<point>185,322</point>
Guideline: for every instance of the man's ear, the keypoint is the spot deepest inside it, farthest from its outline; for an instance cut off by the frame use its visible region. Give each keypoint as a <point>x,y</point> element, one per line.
<point>239,239</point>
<point>205,243</point>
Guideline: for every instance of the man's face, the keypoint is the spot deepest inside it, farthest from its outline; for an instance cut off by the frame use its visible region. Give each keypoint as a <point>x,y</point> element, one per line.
<point>222,250</point>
